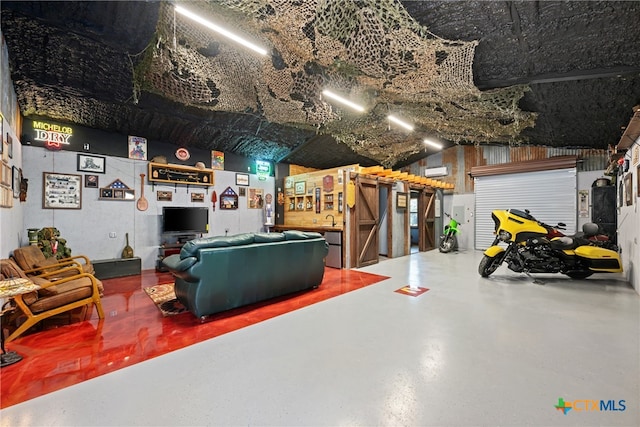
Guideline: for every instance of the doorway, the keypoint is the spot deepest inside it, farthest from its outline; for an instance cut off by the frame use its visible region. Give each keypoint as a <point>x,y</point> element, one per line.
<point>385,240</point>
<point>426,201</point>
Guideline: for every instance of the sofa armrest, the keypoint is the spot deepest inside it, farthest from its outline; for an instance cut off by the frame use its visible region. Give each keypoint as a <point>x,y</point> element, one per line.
<point>175,264</point>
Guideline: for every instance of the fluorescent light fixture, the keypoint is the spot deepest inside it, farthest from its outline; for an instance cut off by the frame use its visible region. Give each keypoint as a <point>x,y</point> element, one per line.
<point>433,144</point>
<point>399,122</point>
<point>221,30</point>
<point>342,100</point>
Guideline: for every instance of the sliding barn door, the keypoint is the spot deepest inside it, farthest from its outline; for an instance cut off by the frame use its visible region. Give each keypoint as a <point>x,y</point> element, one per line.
<point>366,221</point>
<point>426,221</point>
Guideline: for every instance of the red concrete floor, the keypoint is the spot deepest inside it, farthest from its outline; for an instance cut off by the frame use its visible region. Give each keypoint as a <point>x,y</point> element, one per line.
<point>134,331</point>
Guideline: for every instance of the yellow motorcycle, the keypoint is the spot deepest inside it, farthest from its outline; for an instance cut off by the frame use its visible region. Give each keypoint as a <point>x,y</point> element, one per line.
<point>531,250</point>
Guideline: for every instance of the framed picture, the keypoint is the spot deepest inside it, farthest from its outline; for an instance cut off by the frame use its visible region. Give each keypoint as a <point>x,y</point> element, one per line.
<point>401,200</point>
<point>137,147</point>
<point>620,193</point>
<point>61,191</point>
<point>300,187</point>
<point>242,179</point>
<point>91,181</point>
<point>89,163</point>
<point>229,199</point>
<point>5,174</point>
<point>106,193</point>
<point>197,197</point>
<point>242,192</point>
<point>9,146</point>
<point>638,180</point>
<point>4,148</point>
<point>628,190</point>
<point>129,194</point>
<point>16,178</point>
<point>164,196</point>
<point>217,160</point>
<point>256,199</point>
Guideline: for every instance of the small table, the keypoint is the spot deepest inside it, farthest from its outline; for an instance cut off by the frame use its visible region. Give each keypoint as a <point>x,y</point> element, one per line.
<point>9,288</point>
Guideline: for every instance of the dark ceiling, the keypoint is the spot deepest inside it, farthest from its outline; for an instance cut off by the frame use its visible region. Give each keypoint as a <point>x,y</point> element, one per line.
<point>76,62</point>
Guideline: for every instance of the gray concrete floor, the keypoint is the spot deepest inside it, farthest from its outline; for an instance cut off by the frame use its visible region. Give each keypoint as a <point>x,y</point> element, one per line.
<point>470,351</point>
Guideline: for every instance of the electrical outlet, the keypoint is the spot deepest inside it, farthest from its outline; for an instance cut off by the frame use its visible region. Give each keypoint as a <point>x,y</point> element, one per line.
<point>112,234</point>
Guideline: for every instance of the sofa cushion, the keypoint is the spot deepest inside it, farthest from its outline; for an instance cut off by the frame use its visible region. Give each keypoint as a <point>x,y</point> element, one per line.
<point>58,300</point>
<point>65,286</point>
<point>300,235</point>
<point>28,257</point>
<point>192,247</point>
<point>268,237</point>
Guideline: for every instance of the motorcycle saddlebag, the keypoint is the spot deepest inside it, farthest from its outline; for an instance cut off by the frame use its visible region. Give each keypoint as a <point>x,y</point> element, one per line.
<point>600,259</point>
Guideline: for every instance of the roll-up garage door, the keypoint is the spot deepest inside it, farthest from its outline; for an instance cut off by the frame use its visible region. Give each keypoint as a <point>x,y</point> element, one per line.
<point>549,195</point>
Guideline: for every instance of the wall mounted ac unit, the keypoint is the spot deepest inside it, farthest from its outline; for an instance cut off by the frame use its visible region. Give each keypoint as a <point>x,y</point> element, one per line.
<point>441,171</point>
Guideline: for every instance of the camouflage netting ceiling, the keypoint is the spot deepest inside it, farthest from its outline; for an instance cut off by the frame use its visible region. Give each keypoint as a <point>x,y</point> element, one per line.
<point>370,51</point>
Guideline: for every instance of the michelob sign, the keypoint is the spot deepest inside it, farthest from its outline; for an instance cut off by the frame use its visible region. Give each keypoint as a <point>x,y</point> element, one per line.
<point>53,136</point>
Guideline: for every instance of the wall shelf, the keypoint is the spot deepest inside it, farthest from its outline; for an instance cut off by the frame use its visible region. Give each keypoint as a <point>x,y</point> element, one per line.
<point>178,174</point>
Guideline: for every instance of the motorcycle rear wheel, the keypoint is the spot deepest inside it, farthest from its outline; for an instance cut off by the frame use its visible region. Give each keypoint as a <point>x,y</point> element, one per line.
<point>579,274</point>
<point>488,265</point>
<point>448,243</point>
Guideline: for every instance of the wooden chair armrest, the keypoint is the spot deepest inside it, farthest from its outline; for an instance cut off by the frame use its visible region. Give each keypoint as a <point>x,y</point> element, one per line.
<point>75,267</point>
<point>76,258</point>
<point>53,267</point>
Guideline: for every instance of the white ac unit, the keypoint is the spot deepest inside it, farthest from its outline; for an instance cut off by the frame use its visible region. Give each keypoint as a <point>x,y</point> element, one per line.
<point>441,171</point>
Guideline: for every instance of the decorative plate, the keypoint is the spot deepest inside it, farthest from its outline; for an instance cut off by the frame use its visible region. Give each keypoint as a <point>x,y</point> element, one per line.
<point>182,154</point>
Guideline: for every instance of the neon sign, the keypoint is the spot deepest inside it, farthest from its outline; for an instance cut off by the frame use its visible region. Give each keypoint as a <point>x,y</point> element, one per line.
<point>263,169</point>
<point>53,136</point>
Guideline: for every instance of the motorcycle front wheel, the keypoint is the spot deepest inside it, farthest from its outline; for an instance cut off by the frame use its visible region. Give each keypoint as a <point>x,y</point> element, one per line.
<point>447,243</point>
<point>489,264</point>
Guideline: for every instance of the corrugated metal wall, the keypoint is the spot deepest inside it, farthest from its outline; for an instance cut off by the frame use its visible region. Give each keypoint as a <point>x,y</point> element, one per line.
<point>460,159</point>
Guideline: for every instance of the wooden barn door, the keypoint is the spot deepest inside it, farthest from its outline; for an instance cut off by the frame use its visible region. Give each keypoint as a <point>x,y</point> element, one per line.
<point>426,221</point>
<point>366,221</point>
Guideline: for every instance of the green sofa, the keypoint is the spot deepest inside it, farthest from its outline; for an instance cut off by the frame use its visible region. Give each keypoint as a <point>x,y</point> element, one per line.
<point>214,274</point>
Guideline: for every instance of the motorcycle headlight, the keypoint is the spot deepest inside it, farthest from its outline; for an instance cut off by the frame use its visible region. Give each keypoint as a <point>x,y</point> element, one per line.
<point>505,236</point>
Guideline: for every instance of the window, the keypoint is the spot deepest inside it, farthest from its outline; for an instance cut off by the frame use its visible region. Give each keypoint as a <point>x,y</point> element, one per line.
<point>413,212</point>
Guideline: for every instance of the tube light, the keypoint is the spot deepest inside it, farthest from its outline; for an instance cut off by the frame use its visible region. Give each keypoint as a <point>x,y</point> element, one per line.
<point>433,144</point>
<point>221,30</point>
<point>342,100</point>
<point>397,121</point>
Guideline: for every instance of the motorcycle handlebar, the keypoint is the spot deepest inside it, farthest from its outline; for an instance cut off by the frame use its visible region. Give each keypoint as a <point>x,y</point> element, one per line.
<point>560,226</point>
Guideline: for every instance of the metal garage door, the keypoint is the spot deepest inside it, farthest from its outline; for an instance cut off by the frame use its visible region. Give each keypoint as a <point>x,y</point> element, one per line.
<point>550,196</point>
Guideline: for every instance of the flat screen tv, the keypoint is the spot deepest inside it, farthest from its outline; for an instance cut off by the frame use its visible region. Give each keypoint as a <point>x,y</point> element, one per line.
<point>185,219</point>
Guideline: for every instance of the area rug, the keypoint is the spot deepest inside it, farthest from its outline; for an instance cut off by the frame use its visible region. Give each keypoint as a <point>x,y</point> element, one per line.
<point>164,297</point>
